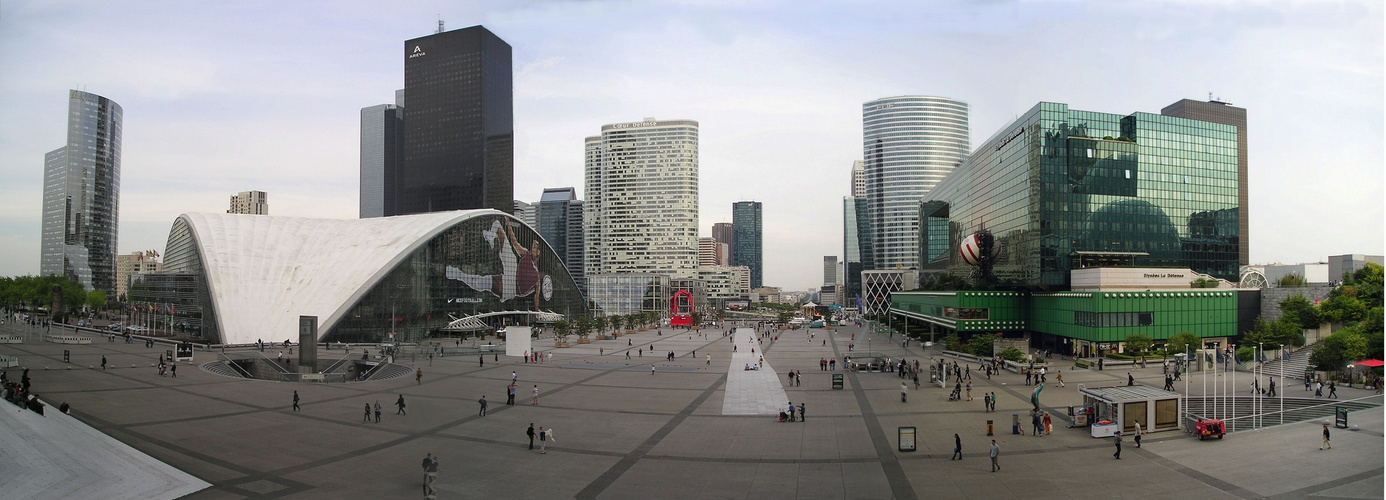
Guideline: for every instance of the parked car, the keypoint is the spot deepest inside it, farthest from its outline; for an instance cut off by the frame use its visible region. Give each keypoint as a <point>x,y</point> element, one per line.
<point>115,327</point>
<point>137,329</point>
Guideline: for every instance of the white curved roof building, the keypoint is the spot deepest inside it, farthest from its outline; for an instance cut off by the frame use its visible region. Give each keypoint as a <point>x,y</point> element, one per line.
<point>237,279</point>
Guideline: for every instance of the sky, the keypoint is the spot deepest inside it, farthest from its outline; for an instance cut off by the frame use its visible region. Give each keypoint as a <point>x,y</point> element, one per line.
<point>228,96</point>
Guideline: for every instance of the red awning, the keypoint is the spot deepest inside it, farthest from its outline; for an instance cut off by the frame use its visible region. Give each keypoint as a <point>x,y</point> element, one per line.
<point>1370,362</point>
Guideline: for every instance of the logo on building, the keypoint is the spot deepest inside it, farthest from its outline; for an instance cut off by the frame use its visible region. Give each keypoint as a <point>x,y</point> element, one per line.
<point>418,52</point>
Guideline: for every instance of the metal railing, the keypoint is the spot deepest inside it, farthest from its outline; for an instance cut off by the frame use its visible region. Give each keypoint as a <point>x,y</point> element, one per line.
<point>1241,413</point>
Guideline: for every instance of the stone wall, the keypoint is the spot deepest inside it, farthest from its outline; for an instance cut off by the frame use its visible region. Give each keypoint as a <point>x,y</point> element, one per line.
<point>1272,297</point>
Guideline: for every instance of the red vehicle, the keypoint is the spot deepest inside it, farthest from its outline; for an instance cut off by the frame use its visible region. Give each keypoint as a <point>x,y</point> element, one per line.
<point>1209,428</point>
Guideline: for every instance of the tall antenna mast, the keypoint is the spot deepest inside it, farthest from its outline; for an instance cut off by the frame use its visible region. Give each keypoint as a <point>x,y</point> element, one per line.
<point>440,24</point>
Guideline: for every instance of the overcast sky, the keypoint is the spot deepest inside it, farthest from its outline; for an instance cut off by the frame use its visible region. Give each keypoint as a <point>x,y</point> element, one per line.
<point>221,97</point>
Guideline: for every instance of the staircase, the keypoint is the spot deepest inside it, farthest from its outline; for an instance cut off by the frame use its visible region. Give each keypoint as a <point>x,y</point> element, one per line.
<point>1294,367</point>
<point>1239,411</point>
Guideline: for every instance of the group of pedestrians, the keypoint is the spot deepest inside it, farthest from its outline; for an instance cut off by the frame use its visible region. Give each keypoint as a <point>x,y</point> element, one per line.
<point>545,437</point>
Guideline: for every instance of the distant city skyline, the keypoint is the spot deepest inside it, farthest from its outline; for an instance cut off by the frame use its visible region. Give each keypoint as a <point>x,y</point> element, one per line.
<point>220,96</point>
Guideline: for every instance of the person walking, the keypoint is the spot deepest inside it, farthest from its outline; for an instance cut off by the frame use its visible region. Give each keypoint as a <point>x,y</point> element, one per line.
<point>514,378</point>
<point>377,411</point>
<point>1332,390</point>
<point>367,417</point>
<point>530,432</point>
<point>536,395</point>
<point>418,376</point>
<point>173,370</point>
<point>957,447</point>
<point>510,394</point>
<point>709,360</point>
<point>543,440</point>
<point>995,451</point>
<point>903,391</point>
<point>482,402</point>
<point>1326,444</point>
<point>1137,437</point>
<point>428,464</point>
<point>295,400</point>
<point>400,404</point>
<point>1270,393</point>
<point>801,411</point>
<point>1130,379</point>
<point>1036,427</point>
<point>1059,377</point>
<point>1116,438</point>
<point>969,390</point>
<point>103,361</point>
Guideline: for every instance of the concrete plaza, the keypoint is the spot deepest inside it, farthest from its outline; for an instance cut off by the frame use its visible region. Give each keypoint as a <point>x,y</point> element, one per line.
<point>684,431</point>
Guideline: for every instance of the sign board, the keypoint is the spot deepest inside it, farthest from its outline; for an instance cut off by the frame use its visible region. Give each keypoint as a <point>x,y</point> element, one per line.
<point>837,381</point>
<point>183,352</point>
<point>906,438</point>
<point>1340,417</point>
<point>66,355</point>
<point>168,354</point>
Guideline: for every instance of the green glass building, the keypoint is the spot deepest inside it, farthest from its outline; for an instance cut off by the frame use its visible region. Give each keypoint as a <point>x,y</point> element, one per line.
<point>1062,189</point>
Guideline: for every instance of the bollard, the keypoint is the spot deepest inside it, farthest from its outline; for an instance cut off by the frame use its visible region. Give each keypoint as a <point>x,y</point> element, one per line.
<point>989,427</point>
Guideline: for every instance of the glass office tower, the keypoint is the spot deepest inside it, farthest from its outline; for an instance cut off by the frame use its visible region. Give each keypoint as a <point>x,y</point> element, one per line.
<point>746,239</point>
<point>81,195</point>
<point>382,152</point>
<point>458,124</point>
<point>1062,189</point>
<point>910,143</point>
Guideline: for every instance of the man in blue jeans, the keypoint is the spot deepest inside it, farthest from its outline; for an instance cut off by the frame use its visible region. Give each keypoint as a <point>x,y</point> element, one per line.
<point>482,401</point>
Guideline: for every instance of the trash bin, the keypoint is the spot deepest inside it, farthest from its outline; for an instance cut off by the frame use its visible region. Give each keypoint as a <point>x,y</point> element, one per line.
<point>989,427</point>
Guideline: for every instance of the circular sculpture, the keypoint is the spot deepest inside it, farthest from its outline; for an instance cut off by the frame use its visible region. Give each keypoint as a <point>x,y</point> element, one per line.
<point>970,249</point>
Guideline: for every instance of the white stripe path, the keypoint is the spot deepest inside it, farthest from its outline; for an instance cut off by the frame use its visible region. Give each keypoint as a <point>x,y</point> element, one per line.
<point>753,392</point>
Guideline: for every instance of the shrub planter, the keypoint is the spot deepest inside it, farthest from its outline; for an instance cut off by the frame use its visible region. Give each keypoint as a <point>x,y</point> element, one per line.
<point>630,332</point>
<point>560,344</point>
<point>584,341</point>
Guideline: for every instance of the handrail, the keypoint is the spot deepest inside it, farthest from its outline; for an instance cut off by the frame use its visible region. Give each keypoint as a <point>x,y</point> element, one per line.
<point>333,367</point>
<point>226,360</point>
<point>374,370</point>
<point>1261,417</point>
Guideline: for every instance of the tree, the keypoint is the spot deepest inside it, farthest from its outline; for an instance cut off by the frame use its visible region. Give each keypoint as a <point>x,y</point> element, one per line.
<point>1291,279</point>
<point>562,328</point>
<point>616,322</point>
<point>1011,354</point>
<point>1299,310</point>
<point>697,318</point>
<point>600,323</point>
<point>1339,349</point>
<point>96,299</point>
<point>1273,334</point>
<point>982,345</point>
<point>952,342</point>
<point>1182,342</point>
<point>1138,342</point>
<point>583,326</point>
<point>784,317</point>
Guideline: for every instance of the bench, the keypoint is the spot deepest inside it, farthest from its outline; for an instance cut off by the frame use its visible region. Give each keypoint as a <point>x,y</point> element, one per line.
<point>68,339</point>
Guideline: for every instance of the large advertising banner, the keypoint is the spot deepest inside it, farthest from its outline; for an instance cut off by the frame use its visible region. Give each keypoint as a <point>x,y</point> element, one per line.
<point>517,340</point>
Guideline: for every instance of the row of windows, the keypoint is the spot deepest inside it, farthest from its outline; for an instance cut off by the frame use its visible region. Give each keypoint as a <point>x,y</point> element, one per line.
<point>1113,319</point>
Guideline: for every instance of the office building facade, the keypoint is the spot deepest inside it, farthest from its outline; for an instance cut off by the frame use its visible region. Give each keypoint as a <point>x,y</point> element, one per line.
<point>712,253</point>
<point>458,125</point>
<point>910,143</point>
<point>746,238</point>
<point>722,232</point>
<point>1226,114</point>
<point>641,212</point>
<point>558,217</point>
<point>829,270</point>
<point>81,195</point>
<point>1062,189</point>
<point>249,203</point>
<point>131,264</point>
<point>382,152</point>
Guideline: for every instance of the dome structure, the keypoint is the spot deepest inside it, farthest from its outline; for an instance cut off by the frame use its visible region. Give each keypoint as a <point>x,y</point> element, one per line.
<point>365,280</point>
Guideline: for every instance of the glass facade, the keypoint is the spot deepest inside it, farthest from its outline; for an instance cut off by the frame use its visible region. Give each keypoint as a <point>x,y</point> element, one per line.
<point>474,267</point>
<point>382,145</point>
<point>620,294</point>
<point>81,195</point>
<point>458,125</point>
<point>910,143</point>
<point>1063,189</point>
<point>747,232</point>
<point>559,221</point>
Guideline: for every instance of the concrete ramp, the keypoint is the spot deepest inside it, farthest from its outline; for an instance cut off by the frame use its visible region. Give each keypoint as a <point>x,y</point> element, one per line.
<point>754,392</point>
<point>57,456</point>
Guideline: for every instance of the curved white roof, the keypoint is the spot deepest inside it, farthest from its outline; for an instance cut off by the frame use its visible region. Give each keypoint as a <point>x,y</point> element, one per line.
<point>263,272</point>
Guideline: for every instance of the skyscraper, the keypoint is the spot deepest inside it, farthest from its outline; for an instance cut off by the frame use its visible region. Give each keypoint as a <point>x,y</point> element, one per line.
<point>81,195</point>
<point>382,152</point>
<point>558,217</point>
<point>712,253</point>
<point>829,270</point>
<point>641,212</point>
<point>722,232</point>
<point>746,238</point>
<point>1226,114</point>
<point>910,143</point>
<point>250,203</point>
<point>858,179</point>
<point>458,125</point>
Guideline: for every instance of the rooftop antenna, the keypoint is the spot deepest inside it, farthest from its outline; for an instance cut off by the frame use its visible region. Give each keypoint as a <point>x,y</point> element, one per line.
<point>440,25</point>
<point>1210,94</point>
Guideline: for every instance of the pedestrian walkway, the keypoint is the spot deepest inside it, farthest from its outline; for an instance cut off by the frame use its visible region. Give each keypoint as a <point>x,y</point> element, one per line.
<point>751,392</point>
<point>56,456</point>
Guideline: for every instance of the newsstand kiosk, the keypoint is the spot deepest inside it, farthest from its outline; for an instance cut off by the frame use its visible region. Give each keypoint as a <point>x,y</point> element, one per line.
<point>1121,408</point>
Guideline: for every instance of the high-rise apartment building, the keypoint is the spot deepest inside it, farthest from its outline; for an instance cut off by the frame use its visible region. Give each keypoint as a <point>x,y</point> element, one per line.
<point>526,211</point>
<point>856,246</point>
<point>1226,114</point>
<point>910,143</point>
<point>458,125</point>
<point>249,203</point>
<point>713,253</point>
<point>641,212</point>
<point>746,238</point>
<point>558,217</point>
<point>859,179</point>
<point>382,152</point>
<point>829,270</point>
<point>131,264</point>
<point>81,195</point>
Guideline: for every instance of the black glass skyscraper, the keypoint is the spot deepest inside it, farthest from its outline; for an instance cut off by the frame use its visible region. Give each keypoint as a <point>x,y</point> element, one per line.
<point>458,124</point>
<point>81,195</point>
<point>746,238</point>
